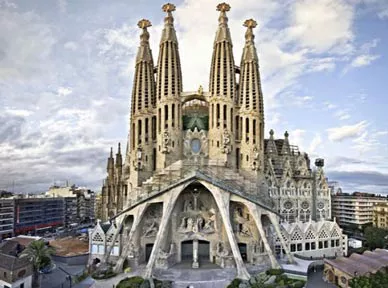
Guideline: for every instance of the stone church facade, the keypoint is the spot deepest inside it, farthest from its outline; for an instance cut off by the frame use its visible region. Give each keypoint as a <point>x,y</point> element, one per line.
<point>199,182</point>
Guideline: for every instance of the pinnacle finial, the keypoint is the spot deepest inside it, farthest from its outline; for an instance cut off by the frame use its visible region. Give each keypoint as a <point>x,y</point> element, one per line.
<point>111,151</point>
<point>250,23</point>
<point>223,7</point>
<point>168,7</point>
<point>271,132</point>
<point>286,134</point>
<point>119,148</point>
<point>144,23</point>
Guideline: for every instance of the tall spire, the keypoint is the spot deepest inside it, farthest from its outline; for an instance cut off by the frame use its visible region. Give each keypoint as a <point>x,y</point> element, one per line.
<point>222,72</point>
<point>169,77</point>
<point>251,97</point>
<point>143,93</point>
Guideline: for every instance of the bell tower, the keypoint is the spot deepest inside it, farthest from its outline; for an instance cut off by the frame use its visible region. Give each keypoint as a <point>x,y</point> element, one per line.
<point>222,93</point>
<point>168,91</point>
<point>143,120</point>
<point>251,112</point>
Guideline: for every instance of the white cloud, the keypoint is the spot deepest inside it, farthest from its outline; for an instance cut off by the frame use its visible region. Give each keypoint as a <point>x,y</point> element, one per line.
<point>321,24</point>
<point>70,45</point>
<point>342,114</point>
<point>25,44</point>
<point>18,112</point>
<point>363,60</point>
<point>64,91</point>
<point>315,143</point>
<point>62,4</point>
<point>329,106</point>
<point>337,134</point>
<point>383,14</point>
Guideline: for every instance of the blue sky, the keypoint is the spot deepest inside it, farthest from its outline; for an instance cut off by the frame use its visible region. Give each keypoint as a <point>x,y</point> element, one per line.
<point>66,75</point>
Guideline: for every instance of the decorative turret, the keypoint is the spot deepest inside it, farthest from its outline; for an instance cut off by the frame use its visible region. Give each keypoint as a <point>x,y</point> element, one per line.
<point>168,91</point>
<point>271,145</point>
<point>169,77</point>
<point>110,165</point>
<point>251,105</point>
<point>222,94</point>
<point>222,73</point>
<point>286,145</point>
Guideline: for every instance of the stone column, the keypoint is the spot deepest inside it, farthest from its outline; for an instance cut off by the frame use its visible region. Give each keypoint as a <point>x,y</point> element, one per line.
<point>195,254</point>
<point>222,199</point>
<point>257,217</point>
<point>275,223</point>
<point>124,253</point>
<point>168,206</point>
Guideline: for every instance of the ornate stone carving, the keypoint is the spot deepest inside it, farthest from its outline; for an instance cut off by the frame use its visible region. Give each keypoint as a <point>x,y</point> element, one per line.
<point>226,142</point>
<point>151,223</point>
<point>138,163</point>
<point>166,142</point>
<point>195,144</point>
<point>132,251</point>
<point>222,251</point>
<point>242,222</point>
<point>196,218</point>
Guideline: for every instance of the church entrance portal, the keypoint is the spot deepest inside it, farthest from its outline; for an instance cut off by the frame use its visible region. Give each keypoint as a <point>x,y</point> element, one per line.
<point>148,250</point>
<point>187,250</point>
<point>203,250</point>
<point>243,251</point>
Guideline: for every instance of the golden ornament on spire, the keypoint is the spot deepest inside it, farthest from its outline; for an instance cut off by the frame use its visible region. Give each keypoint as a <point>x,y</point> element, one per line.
<point>144,23</point>
<point>168,7</point>
<point>223,7</point>
<point>250,23</point>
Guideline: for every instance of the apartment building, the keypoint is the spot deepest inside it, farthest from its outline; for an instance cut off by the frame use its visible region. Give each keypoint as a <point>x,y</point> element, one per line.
<point>356,208</point>
<point>79,203</point>
<point>36,214</point>
<point>6,218</point>
<point>380,215</point>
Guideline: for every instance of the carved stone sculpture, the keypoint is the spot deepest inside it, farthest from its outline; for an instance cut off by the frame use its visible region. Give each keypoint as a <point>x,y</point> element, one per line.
<point>138,162</point>
<point>226,142</point>
<point>166,142</point>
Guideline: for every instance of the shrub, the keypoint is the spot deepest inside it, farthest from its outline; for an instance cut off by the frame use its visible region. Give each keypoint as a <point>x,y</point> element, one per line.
<point>298,284</point>
<point>281,278</point>
<point>274,272</point>
<point>235,283</point>
<point>132,282</point>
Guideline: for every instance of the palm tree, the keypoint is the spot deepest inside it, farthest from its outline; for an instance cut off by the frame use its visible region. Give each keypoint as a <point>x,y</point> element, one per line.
<point>40,256</point>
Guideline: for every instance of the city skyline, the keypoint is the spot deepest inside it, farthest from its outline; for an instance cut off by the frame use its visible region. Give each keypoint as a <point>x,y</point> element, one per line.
<point>66,77</point>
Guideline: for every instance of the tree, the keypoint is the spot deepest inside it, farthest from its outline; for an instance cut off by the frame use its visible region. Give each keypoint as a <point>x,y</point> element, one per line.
<point>375,237</point>
<point>39,254</point>
<point>374,280</point>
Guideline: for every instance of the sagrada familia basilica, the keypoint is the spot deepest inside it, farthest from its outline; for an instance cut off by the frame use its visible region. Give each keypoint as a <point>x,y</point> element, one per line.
<point>200,183</point>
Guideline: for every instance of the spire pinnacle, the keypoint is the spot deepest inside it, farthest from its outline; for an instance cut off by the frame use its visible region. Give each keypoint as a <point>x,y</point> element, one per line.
<point>144,36</point>
<point>111,152</point>
<point>223,8</point>
<point>119,148</point>
<point>250,24</point>
<point>168,8</point>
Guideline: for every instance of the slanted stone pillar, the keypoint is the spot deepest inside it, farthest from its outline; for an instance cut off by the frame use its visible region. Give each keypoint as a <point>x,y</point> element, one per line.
<point>275,223</point>
<point>195,254</point>
<point>223,199</point>
<point>124,253</point>
<point>168,206</point>
<point>257,217</point>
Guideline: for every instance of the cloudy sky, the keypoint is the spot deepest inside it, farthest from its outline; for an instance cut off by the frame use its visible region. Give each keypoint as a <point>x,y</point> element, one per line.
<point>66,75</point>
